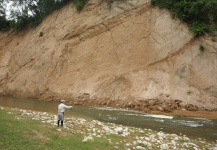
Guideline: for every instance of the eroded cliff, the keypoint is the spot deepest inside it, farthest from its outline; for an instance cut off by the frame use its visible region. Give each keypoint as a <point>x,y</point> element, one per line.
<point>123,51</point>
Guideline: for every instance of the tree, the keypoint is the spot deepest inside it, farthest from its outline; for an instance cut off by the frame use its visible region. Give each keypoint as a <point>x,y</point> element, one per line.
<point>25,13</point>
<point>4,23</point>
<point>200,15</point>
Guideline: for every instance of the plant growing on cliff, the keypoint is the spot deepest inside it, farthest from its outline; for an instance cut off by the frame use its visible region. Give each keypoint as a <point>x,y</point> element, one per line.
<point>200,15</point>
<point>41,34</point>
<point>201,48</point>
<point>189,92</point>
<point>79,4</point>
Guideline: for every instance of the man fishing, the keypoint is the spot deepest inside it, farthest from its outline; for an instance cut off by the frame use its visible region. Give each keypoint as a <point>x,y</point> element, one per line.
<point>61,109</point>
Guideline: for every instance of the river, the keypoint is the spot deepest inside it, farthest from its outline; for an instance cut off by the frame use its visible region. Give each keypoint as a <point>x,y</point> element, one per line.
<point>191,127</point>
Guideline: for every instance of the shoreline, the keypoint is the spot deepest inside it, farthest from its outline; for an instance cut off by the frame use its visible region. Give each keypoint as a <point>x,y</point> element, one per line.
<point>153,106</point>
<point>171,108</point>
<point>131,137</point>
<point>175,113</point>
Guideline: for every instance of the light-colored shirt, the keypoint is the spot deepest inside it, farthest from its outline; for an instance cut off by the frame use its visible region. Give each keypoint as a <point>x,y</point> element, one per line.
<point>62,107</point>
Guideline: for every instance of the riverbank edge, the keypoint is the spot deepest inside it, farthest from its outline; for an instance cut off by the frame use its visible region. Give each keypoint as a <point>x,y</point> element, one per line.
<point>176,107</point>
<point>169,108</point>
<point>163,140</point>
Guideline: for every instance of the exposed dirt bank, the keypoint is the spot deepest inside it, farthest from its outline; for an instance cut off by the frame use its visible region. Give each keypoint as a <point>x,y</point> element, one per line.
<point>127,55</point>
<point>197,114</point>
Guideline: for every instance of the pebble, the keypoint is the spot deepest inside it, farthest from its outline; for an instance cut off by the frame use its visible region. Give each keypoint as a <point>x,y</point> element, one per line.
<point>144,139</point>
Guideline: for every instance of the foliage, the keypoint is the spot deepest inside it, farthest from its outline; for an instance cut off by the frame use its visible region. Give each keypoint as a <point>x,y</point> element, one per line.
<point>79,4</point>
<point>41,34</point>
<point>199,28</point>
<point>4,24</point>
<point>200,15</point>
<point>30,13</point>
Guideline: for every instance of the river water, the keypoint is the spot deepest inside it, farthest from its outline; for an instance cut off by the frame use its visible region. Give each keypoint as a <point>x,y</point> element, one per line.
<point>191,127</point>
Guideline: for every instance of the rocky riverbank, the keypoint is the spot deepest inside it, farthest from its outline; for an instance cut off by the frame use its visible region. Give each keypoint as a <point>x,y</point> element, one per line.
<point>133,138</point>
<point>155,106</point>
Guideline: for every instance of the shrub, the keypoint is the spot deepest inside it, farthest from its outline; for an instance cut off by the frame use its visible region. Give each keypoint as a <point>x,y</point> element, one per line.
<point>21,17</point>
<point>199,29</point>
<point>200,15</point>
<point>201,48</point>
<point>41,34</point>
<point>79,4</point>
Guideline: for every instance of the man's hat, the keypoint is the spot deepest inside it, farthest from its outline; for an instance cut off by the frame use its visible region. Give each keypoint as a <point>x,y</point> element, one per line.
<point>62,101</point>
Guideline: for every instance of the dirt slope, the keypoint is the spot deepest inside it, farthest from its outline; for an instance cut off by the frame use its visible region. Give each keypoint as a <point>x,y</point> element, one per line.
<point>124,51</point>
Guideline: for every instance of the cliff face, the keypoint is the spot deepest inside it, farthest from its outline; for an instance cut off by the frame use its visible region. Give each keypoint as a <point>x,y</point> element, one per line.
<point>126,50</point>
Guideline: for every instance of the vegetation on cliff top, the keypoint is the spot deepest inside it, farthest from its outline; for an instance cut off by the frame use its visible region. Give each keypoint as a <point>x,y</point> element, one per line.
<point>200,15</point>
<point>18,14</point>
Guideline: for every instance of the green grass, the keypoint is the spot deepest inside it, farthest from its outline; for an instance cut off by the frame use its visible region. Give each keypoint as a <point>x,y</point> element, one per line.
<point>18,131</point>
<point>25,133</point>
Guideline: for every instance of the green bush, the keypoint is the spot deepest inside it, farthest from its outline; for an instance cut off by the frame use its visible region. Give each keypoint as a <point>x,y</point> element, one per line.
<point>4,24</point>
<point>199,29</point>
<point>200,15</point>
<point>20,17</point>
<point>41,34</point>
<point>79,4</point>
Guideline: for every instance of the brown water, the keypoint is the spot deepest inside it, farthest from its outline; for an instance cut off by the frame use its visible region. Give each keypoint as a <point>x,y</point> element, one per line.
<point>192,127</point>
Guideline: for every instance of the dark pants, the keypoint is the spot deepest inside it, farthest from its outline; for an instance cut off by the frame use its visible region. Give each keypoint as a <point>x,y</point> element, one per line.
<point>60,119</point>
<point>58,123</point>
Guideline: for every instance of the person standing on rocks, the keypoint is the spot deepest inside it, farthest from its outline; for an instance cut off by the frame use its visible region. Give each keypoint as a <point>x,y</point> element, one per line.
<point>61,110</point>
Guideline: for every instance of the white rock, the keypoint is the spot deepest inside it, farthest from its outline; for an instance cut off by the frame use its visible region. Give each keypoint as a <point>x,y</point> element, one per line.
<point>99,123</point>
<point>134,143</point>
<point>195,148</point>
<point>147,139</point>
<point>140,148</point>
<point>152,136</point>
<point>147,144</point>
<point>164,146</point>
<point>59,130</point>
<point>89,138</point>
<point>185,144</point>
<point>173,142</point>
<point>128,144</point>
<point>176,138</point>
<point>186,138</point>
<point>118,130</point>
<point>192,144</point>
